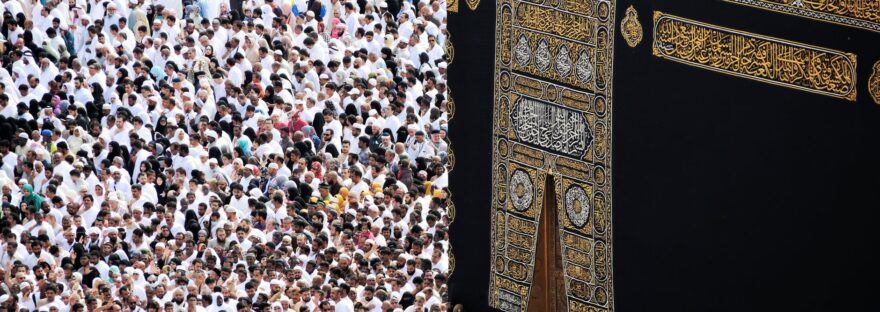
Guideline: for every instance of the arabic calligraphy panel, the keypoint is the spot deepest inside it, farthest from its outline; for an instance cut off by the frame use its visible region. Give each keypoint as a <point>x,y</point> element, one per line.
<point>766,59</point>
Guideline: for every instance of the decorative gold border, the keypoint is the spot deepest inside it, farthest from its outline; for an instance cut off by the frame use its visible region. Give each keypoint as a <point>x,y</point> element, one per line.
<point>450,154</point>
<point>792,8</point>
<point>712,60</point>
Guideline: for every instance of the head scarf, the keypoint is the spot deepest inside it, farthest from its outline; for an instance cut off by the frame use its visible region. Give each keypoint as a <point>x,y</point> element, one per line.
<point>245,146</point>
<point>32,198</point>
<point>176,138</point>
<point>309,132</point>
<point>334,31</point>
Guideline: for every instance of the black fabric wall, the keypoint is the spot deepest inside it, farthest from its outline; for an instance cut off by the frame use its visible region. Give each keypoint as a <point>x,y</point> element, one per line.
<point>470,81</point>
<point>729,194</point>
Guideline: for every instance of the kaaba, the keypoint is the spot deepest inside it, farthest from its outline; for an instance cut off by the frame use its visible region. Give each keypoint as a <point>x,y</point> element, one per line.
<point>708,155</point>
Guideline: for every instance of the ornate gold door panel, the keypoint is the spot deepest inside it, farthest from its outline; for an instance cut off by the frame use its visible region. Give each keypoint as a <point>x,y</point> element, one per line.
<point>552,116</point>
<point>548,287</point>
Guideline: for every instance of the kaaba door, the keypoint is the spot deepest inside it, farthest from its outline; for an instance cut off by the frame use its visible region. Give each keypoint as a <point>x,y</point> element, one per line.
<point>548,290</point>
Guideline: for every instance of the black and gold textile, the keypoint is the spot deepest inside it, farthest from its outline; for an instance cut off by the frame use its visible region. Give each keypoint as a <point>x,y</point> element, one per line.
<point>743,144</point>
<point>552,115</point>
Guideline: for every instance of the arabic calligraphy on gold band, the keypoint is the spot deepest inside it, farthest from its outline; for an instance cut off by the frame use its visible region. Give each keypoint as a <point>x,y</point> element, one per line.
<point>766,59</point>
<point>855,13</point>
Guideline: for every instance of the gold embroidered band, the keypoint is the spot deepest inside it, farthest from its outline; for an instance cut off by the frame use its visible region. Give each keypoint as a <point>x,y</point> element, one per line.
<point>757,57</point>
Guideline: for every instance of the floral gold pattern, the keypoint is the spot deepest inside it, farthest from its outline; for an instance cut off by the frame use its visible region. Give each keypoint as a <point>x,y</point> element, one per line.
<point>761,58</point>
<point>630,28</point>
<point>522,190</point>
<point>577,206</point>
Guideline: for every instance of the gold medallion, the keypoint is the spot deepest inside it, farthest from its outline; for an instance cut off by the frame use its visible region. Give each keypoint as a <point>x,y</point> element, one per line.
<point>874,83</point>
<point>630,28</point>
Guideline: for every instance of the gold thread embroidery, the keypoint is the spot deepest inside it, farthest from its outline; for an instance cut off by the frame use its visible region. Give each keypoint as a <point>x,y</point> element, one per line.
<point>452,6</point>
<point>449,49</point>
<point>552,107</point>
<point>863,14</point>
<point>566,25</point>
<point>757,57</point>
<point>473,4</point>
<point>874,83</point>
<point>630,28</point>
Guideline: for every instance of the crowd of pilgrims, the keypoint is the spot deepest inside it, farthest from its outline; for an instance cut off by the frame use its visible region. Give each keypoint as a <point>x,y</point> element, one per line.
<point>224,155</point>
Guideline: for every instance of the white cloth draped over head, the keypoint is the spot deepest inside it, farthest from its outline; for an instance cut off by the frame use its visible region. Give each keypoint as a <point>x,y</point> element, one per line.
<point>213,253</point>
<point>180,137</point>
<point>98,192</point>
<point>6,181</point>
<point>11,92</point>
<point>25,67</point>
<point>219,305</point>
<point>139,282</point>
<point>78,138</point>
